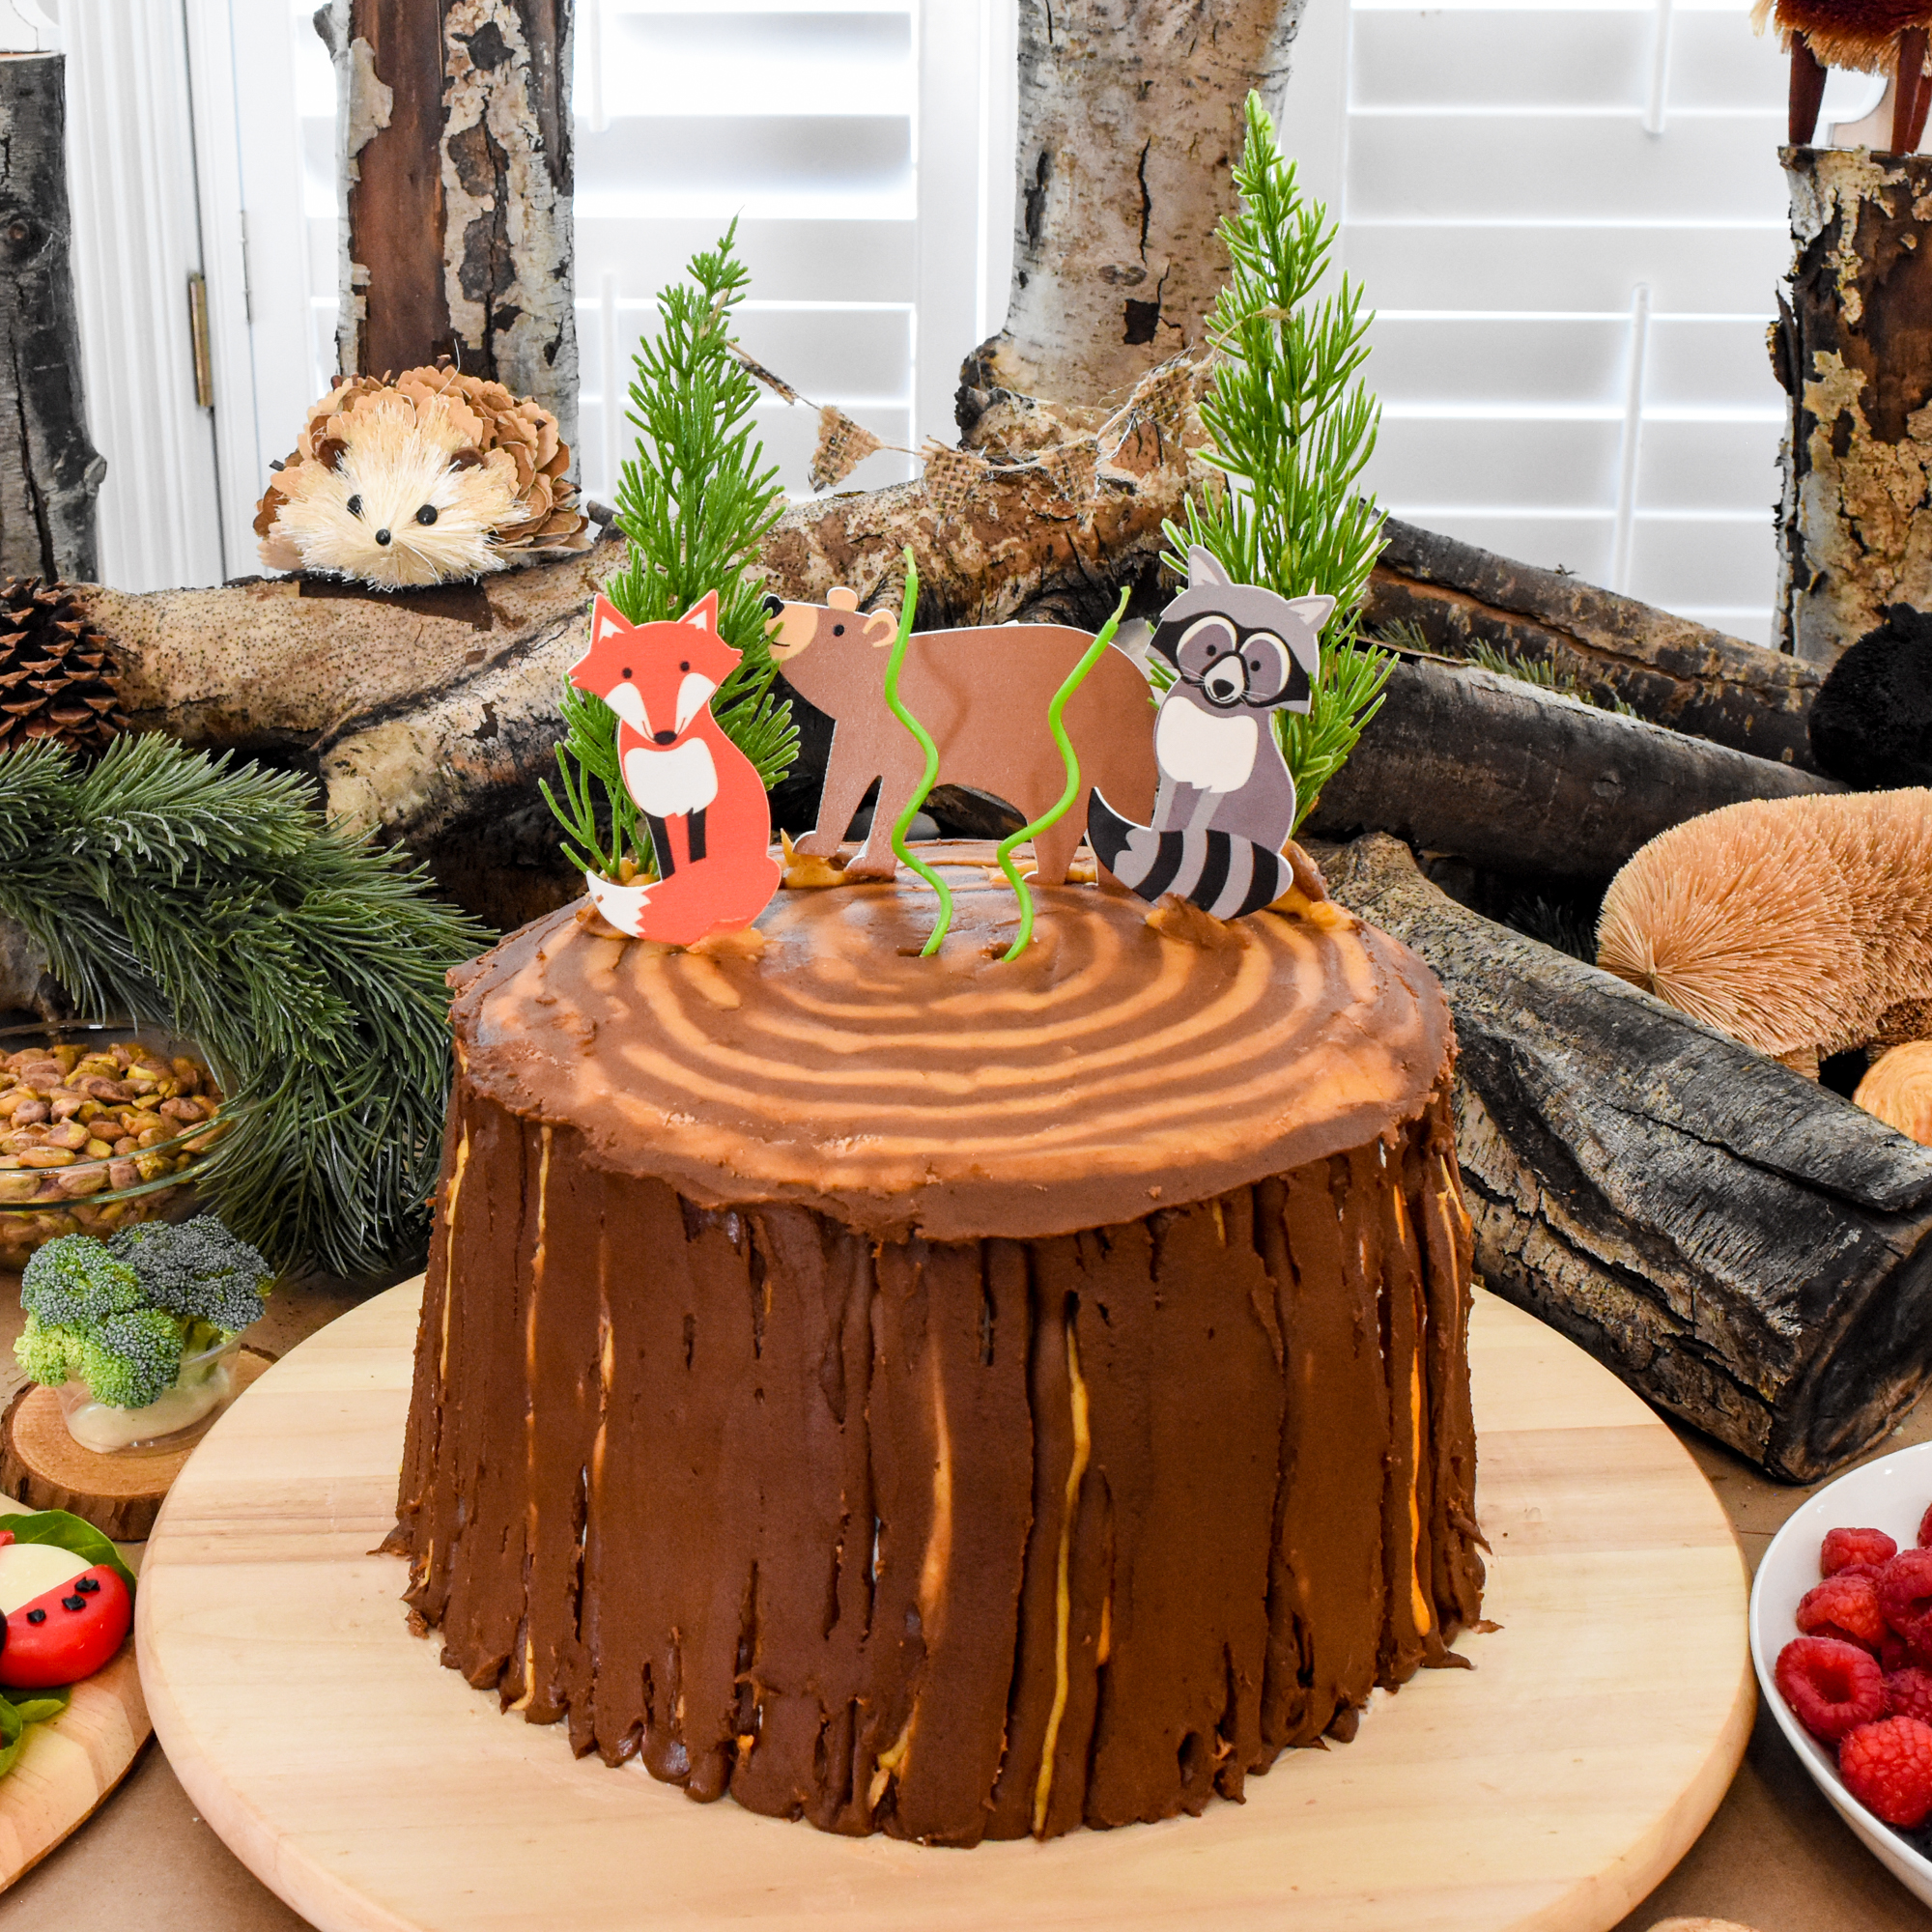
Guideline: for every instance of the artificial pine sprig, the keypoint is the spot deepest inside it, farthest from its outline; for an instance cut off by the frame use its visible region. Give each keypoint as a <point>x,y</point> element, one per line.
<point>696,502</point>
<point>1293,427</point>
<point>209,898</point>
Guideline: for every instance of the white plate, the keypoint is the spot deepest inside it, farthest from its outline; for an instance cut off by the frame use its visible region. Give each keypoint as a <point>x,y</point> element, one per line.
<point>1889,1494</point>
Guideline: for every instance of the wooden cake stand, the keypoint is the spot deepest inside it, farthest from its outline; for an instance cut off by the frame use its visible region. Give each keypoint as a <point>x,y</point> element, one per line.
<point>1549,1788</point>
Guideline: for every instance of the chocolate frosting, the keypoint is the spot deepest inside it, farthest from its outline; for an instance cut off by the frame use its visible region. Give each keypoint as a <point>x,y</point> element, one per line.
<point>1111,1070</point>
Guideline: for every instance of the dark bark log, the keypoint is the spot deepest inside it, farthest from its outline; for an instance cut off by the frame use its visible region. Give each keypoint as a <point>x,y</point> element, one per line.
<point>1744,1248</point>
<point>1520,781</point>
<point>49,471</point>
<point>1129,125</point>
<point>1666,668</point>
<point>1852,349</point>
<point>454,140</point>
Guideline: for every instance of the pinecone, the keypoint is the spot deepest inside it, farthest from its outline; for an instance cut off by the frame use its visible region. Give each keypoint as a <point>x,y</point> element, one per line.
<point>57,674</point>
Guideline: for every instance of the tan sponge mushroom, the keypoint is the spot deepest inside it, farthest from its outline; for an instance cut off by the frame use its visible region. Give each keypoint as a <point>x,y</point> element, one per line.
<point>1798,926</point>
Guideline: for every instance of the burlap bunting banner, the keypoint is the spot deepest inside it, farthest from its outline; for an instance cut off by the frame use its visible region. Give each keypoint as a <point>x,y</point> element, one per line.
<point>842,445</point>
<point>1070,467</point>
<point>949,477</point>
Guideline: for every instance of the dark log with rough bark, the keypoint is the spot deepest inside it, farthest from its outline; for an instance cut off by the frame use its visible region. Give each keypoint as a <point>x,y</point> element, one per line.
<point>453,132</point>
<point>49,471</point>
<point>1853,350</point>
<point>1743,1247</point>
<point>1129,125</point>
<point>1665,668</point>
<point>1521,781</point>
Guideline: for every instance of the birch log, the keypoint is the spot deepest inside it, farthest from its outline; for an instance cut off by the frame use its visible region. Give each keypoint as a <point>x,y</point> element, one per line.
<point>1130,127</point>
<point>1666,668</point>
<point>1853,350</point>
<point>453,142</point>
<point>1528,782</point>
<point>1743,1246</point>
<point>49,471</point>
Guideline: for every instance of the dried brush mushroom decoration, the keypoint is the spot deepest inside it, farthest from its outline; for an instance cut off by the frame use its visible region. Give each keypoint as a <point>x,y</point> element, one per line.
<point>1898,1088</point>
<point>1869,36</point>
<point>58,678</point>
<point>431,477</point>
<point>1801,926</point>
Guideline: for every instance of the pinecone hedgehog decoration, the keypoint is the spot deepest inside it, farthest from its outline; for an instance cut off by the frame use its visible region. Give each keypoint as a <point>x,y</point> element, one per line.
<point>428,479</point>
<point>57,674</point>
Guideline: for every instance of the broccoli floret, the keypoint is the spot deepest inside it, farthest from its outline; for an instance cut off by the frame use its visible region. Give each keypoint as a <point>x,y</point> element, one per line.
<point>127,1360</point>
<point>46,1353</point>
<point>196,1269</point>
<point>74,1281</point>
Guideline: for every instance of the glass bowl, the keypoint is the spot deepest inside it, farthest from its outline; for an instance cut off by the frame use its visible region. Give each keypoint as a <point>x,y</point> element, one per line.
<point>202,1388</point>
<point>93,1194</point>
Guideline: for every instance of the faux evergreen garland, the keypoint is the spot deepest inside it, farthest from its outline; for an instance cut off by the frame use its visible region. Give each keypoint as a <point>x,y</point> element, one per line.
<point>1293,427</point>
<point>696,502</point>
<point>210,897</point>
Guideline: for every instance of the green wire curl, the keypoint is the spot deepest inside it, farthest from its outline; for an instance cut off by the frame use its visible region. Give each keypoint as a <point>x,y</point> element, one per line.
<point>1075,679</point>
<point>923,737</point>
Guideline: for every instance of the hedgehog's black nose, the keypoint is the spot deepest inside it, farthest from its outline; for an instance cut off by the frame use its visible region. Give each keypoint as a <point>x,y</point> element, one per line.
<point>774,604</point>
<point>664,737</point>
<point>381,536</point>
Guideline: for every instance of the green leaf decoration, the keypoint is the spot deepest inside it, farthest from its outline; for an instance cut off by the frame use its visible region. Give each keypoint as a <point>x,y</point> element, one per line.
<point>40,1708</point>
<point>696,502</point>
<point>1293,425</point>
<point>209,896</point>
<point>43,1706</point>
<point>903,852</point>
<point>71,1533</point>
<point>12,1734</point>
<point>1054,722</point>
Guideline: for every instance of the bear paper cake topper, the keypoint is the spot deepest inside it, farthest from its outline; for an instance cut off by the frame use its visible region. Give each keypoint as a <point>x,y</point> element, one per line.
<point>702,798</point>
<point>1225,808</point>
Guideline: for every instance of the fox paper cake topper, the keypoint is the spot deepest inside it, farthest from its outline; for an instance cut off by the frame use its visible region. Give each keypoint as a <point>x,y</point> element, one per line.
<point>705,805</point>
<point>1225,807</point>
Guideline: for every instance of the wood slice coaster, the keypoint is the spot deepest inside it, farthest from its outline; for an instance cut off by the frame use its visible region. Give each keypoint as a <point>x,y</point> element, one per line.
<point>42,1466</point>
<point>371,1788</point>
<point>71,1764</point>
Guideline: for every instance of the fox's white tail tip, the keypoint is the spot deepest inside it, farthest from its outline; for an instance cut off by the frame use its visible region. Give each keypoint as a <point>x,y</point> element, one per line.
<point>622,906</point>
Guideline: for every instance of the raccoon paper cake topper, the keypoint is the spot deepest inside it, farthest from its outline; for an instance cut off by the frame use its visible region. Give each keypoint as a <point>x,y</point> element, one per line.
<point>1225,807</point>
<point>702,798</point>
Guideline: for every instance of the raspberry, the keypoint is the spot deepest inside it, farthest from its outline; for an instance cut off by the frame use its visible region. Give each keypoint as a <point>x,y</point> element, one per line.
<point>1846,1608</point>
<point>1905,1596</point>
<point>1894,1653</point>
<point>1832,1688</point>
<point>1926,1530</point>
<point>1844,1546</point>
<point>1908,1692</point>
<point>1888,1767</point>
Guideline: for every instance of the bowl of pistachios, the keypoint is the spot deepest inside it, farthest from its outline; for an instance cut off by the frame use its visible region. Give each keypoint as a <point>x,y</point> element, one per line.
<point>100,1127</point>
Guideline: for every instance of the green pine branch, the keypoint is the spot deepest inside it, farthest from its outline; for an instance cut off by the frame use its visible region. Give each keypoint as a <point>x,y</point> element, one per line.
<point>209,898</point>
<point>1292,426</point>
<point>696,502</point>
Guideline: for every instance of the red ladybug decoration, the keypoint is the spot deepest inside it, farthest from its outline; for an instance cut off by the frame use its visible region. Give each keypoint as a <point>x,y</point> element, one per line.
<point>66,1630</point>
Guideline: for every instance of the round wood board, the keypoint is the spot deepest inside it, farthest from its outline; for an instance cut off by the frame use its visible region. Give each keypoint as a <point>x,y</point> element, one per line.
<point>1549,1788</point>
<point>69,1765</point>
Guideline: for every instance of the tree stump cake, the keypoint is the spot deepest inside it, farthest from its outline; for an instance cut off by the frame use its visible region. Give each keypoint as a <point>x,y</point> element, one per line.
<point>947,1397</point>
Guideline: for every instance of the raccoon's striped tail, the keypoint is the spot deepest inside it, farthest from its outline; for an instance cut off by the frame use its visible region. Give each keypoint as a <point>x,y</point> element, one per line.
<point>1220,872</point>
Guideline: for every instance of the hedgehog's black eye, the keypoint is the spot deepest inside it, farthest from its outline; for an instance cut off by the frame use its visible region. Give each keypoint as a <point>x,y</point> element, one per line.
<point>685,666</point>
<point>354,506</point>
<point>627,671</point>
<point>427,514</point>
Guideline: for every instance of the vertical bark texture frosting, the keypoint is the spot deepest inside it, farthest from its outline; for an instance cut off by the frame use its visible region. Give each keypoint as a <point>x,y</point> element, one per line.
<point>998,1533</point>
